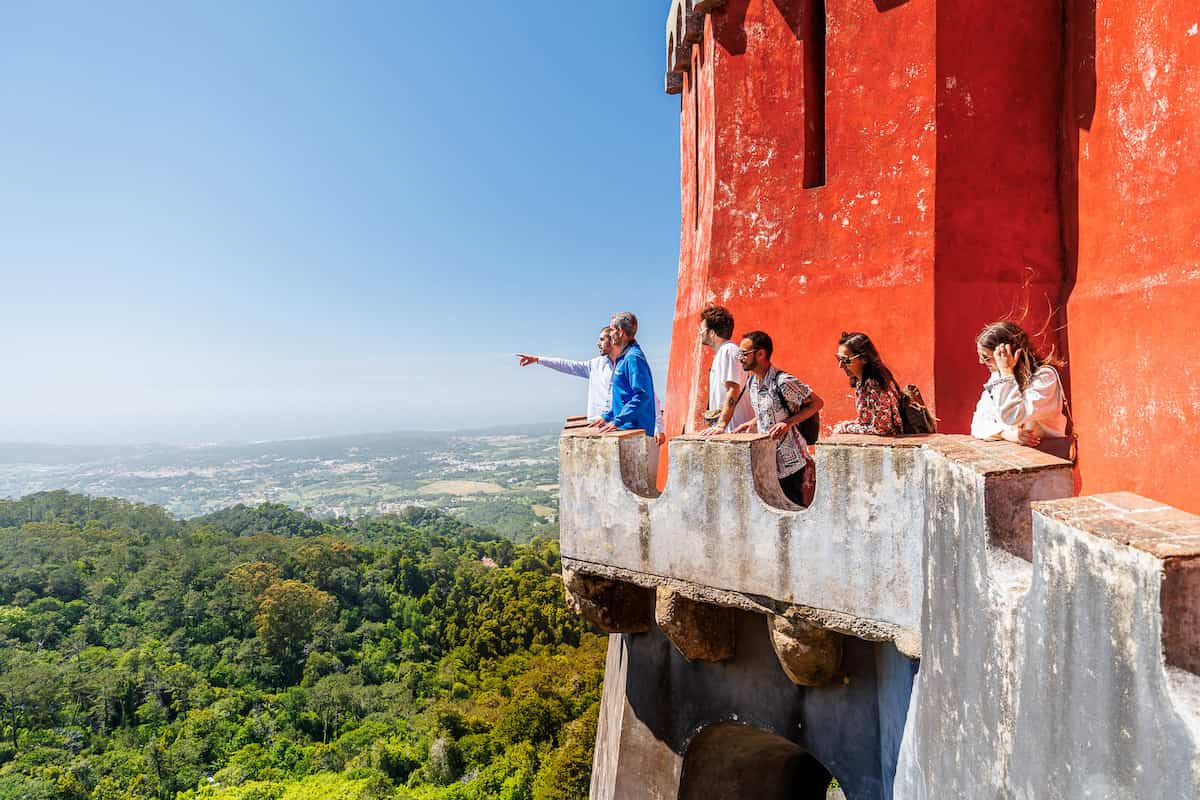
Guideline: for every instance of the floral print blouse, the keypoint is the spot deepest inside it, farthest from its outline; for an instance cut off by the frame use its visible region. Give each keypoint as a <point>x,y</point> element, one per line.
<point>878,412</point>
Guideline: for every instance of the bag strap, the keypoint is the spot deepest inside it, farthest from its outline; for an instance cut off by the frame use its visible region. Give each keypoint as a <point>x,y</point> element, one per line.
<point>779,393</point>
<point>775,386</point>
<point>1073,448</point>
<point>787,409</point>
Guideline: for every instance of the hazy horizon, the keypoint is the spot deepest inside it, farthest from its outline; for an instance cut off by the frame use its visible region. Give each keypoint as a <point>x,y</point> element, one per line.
<point>493,430</point>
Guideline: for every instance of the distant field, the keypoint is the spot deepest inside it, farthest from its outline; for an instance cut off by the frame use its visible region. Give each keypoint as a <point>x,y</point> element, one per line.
<point>461,488</point>
<point>484,477</point>
<point>544,511</point>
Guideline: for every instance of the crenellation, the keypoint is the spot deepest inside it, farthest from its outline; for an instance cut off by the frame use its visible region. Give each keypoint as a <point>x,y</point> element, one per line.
<point>1167,534</point>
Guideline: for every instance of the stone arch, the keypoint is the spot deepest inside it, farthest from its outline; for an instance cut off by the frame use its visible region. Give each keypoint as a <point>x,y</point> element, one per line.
<point>734,760</point>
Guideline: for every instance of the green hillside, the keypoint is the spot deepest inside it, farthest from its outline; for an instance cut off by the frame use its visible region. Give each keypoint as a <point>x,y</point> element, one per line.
<point>257,653</point>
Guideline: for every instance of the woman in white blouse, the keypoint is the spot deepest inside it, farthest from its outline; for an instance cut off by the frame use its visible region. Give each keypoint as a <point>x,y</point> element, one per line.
<point>1023,400</point>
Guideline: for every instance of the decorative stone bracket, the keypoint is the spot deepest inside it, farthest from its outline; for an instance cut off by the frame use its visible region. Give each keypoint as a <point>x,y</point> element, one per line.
<point>809,655</point>
<point>700,631</point>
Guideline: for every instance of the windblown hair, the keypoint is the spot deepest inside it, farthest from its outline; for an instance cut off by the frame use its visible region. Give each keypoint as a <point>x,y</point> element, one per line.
<point>874,370</point>
<point>1010,333</point>
<point>627,322</point>
<point>719,321</point>
<point>761,341</point>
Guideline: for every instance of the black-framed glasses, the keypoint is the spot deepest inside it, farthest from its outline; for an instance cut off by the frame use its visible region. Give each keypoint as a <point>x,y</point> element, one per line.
<point>845,360</point>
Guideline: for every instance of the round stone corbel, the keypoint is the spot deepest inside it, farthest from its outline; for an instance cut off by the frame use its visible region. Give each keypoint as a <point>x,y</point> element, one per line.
<point>611,605</point>
<point>700,631</point>
<point>809,656</point>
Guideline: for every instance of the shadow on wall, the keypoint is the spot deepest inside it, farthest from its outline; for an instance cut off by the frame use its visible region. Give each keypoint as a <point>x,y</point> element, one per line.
<point>1078,110</point>
<point>733,760</point>
<point>806,18</point>
<point>1000,216</point>
<point>851,728</point>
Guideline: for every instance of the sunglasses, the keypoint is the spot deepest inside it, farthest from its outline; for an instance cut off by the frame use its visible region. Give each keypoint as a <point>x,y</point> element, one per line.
<point>747,353</point>
<point>845,360</point>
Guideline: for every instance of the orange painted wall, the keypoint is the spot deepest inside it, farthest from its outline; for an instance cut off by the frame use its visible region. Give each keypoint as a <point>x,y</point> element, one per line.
<point>1131,181</point>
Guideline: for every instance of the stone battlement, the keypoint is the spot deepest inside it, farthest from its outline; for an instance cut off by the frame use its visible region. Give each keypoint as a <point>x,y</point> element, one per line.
<point>1030,614</point>
<point>851,561</point>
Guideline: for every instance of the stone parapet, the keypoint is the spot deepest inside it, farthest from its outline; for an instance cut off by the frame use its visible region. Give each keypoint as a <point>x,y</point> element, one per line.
<point>1058,637</point>
<point>852,562</point>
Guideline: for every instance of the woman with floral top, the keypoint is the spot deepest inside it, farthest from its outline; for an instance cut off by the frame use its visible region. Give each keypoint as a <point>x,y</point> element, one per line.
<point>1023,400</point>
<point>876,394</point>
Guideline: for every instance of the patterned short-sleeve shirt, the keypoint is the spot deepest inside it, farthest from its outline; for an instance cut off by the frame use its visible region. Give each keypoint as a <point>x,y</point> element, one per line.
<point>791,454</point>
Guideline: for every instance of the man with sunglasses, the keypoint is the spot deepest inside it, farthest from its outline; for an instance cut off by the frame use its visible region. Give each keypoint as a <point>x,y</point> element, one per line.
<point>781,402</point>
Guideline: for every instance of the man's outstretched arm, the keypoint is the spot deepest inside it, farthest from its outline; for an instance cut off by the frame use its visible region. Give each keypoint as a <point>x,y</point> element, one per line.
<point>581,369</point>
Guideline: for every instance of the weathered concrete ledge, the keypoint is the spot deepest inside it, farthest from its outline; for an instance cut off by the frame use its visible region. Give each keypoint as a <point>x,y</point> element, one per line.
<point>1072,683</point>
<point>723,532</point>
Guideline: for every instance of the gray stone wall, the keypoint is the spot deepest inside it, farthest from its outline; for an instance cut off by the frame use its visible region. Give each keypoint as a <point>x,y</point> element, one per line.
<point>1058,640</point>
<point>1048,679</point>
<point>658,708</point>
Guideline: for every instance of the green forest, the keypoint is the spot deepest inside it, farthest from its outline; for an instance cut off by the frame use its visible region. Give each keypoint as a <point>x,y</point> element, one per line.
<point>260,654</point>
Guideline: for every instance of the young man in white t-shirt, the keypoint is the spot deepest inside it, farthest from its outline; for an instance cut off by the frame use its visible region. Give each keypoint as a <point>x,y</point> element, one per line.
<point>728,405</point>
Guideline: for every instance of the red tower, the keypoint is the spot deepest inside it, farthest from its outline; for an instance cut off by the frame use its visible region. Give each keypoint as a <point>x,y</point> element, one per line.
<point>916,169</point>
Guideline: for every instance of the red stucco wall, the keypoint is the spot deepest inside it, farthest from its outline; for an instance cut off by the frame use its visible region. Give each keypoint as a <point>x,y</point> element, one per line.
<point>1132,188</point>
<point>999,250</point>
<point>806,263</point>
<point>982,160</point>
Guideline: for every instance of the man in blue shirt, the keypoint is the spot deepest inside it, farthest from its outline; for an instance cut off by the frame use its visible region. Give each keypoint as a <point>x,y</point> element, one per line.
<point>599,373</point>
<point>632,390</point>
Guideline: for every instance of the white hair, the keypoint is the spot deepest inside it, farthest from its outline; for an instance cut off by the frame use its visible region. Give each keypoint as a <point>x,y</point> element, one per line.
<point>627,322</point>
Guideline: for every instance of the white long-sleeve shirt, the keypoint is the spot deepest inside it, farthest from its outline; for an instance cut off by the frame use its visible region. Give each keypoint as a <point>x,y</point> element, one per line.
<point>599,373</point>
<point>1003,405</point>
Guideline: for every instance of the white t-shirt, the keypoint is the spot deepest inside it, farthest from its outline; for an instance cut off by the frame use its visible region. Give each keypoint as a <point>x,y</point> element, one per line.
<point>726,367</point>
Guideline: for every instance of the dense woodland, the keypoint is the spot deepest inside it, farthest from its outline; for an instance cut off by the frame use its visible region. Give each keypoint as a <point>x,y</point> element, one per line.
<point>259,654</point>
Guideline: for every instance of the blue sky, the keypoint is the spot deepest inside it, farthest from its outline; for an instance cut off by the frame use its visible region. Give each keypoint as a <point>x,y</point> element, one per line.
<point>259,220</point>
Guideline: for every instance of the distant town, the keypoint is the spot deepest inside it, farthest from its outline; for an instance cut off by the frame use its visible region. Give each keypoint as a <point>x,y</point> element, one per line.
<point>503,479</point>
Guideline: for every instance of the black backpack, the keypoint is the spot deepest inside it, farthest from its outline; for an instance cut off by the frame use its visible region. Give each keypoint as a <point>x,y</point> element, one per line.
<point>915,416</point>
